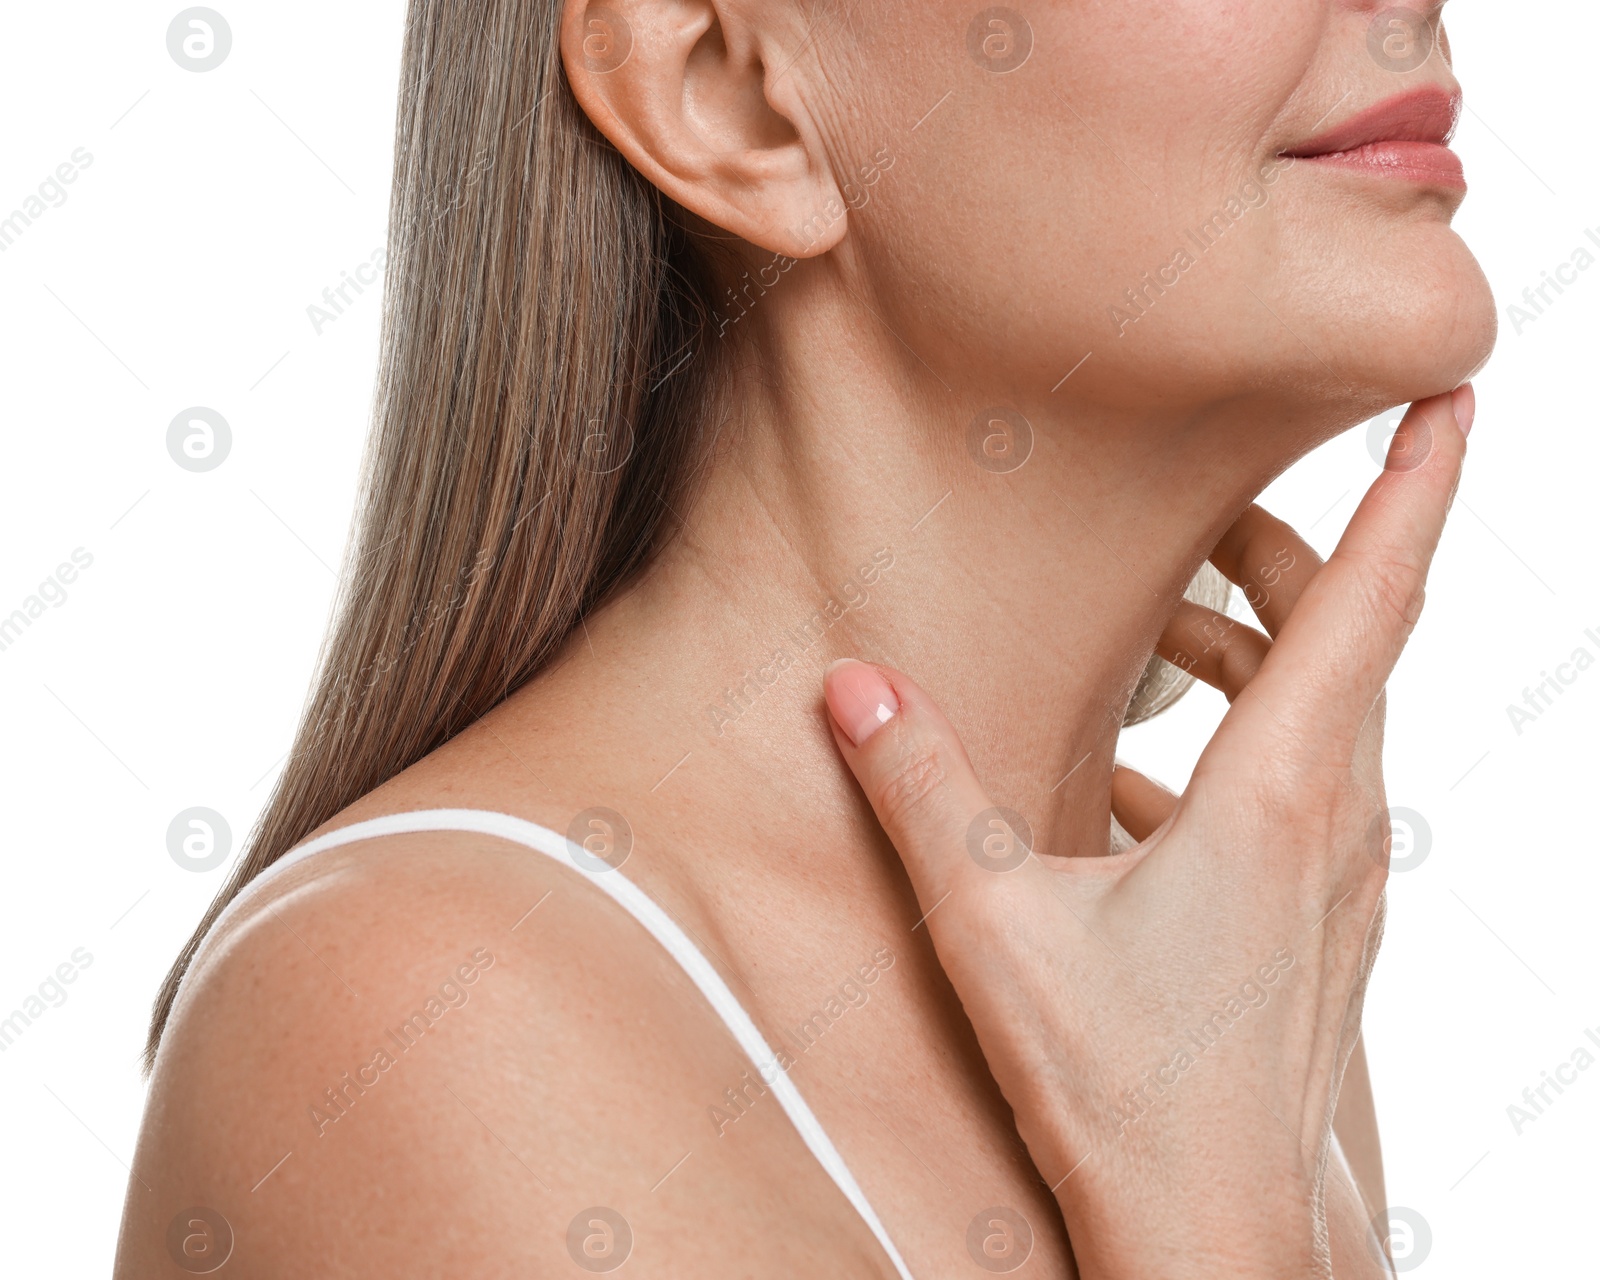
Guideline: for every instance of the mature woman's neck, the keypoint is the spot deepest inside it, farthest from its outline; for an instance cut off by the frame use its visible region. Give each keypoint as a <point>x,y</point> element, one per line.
<point>847,513</point>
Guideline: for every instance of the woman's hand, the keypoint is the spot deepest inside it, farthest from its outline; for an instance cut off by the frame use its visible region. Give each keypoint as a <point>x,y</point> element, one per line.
<point>1170,1024</point>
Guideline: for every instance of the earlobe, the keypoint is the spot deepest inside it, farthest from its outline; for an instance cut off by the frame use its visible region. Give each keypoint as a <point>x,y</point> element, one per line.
<point>683,89</point>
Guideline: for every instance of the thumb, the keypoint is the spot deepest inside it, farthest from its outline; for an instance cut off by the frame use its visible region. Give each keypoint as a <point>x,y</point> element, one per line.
<point>916,775</point>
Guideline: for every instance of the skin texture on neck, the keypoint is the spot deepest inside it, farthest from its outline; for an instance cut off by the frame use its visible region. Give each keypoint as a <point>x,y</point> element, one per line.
<point>1028,599</point>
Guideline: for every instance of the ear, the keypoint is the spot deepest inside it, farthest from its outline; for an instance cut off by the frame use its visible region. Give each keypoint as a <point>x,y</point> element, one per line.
<point>700,98</point>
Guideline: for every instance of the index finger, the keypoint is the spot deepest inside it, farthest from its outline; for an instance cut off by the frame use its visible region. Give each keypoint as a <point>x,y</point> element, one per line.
<point>1336,650</point>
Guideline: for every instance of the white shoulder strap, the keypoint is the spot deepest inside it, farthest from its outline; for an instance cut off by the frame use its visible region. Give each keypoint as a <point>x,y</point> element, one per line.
<point>642,908</point>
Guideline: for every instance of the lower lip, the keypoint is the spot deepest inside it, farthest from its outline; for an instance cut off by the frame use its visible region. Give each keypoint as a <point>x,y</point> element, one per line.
<point>1428,163</point>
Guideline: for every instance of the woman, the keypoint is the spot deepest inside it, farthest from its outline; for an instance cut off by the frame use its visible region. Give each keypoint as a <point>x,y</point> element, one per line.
<point>727,340</point>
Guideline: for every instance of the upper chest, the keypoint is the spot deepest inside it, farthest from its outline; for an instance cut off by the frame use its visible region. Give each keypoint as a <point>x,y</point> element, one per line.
<point>859,1016</point>
<point>843,984</point>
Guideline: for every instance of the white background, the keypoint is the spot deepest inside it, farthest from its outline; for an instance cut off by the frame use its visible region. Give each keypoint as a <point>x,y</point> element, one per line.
<point>217,208</point>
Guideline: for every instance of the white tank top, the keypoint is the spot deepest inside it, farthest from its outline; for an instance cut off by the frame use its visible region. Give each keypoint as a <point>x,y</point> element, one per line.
<point>642,908</point>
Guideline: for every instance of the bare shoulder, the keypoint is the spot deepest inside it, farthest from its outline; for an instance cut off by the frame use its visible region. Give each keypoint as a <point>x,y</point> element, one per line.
<point>442,1053</point>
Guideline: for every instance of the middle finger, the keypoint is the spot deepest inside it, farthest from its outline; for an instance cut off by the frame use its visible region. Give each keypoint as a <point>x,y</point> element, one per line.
<point>1269,561</point>
<point>1213,647</point>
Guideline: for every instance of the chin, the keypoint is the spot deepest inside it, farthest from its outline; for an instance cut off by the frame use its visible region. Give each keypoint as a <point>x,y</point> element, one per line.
<point>1416,320</point>
<point>1431,332</point>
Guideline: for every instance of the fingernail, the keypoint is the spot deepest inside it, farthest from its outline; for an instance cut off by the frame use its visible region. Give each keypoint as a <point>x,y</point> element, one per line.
<point>860,699</point>
<point>1465,402</point>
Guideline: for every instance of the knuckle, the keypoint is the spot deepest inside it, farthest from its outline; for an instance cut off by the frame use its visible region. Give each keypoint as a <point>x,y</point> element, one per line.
<point>1266,539</point>
<point>1395,589</point>
<point>987,907</point>
<point>1242,657</point>
<point>1271,550</point>
<point>908,787</point>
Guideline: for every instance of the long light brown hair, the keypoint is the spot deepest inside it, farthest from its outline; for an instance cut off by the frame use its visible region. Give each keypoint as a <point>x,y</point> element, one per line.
<point>542,384</point>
